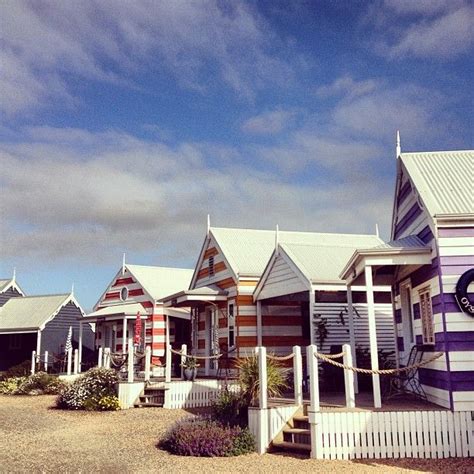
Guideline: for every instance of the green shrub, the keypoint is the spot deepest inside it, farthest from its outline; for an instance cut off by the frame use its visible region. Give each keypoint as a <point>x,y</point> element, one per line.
<point>20,370</point>
<point>230,408</point>
<point>10,386</point>
<point>87,391</point>
<point>40,383</point>
<point>204,437</point>
<point>249,378</point>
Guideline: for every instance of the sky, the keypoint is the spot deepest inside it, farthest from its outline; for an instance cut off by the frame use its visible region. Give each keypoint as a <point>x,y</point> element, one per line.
<point>124,124</point>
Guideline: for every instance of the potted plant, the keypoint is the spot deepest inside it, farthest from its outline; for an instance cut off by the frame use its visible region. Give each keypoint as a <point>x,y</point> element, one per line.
<point>190,367</point>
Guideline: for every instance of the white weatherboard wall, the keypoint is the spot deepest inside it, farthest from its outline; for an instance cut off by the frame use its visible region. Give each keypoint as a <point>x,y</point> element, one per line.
<point>420,434</point>
<point>338,333</point>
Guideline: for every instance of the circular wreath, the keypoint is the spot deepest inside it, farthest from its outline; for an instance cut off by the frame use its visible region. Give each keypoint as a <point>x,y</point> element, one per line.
<point>461,292</point>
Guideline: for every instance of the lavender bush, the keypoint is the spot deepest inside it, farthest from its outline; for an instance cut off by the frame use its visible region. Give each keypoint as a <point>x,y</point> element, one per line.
<point>204,437</point>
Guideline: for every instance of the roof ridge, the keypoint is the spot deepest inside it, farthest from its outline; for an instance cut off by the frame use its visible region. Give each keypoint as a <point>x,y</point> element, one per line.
<point>435,151</point>
<point>39,296</point>
<point>295,232</point>
<point>157,266</point>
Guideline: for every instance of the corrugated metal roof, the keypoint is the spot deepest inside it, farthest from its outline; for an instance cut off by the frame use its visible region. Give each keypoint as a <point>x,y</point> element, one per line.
<point>408,242</point>
<point>248,250</point>
<point>30,312</point>
<point>443,179</point>
<point>323,262</point>
<point>126,309</point>
<point>4,284</point>
<point>161,281</point>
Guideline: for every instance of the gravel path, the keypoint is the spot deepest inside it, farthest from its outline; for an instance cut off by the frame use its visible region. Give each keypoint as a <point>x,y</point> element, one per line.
<point>35,437</point>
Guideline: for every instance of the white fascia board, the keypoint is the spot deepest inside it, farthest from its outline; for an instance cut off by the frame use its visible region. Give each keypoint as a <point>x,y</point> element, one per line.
<point>20,331</point>
<point>265,274</point>
<point>106,288</point>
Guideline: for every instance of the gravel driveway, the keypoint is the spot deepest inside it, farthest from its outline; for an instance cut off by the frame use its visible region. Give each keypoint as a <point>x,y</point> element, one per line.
<point>35,437</point>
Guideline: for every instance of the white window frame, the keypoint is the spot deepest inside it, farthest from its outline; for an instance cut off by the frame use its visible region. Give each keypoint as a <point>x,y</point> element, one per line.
<point>426,315</point>
<point>407,326</point>
<point>231,324</point>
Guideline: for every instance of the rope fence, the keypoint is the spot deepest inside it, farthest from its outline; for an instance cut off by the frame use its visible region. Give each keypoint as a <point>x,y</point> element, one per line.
<point>329,360</point>
<point>181,353</point>
<point>274,357</point>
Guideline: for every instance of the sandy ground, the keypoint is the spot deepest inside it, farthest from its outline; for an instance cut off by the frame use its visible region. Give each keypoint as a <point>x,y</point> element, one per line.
<point>35,437</point>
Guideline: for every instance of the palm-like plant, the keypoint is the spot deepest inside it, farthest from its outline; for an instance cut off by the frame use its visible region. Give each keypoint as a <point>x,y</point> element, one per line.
<point>249,378</point>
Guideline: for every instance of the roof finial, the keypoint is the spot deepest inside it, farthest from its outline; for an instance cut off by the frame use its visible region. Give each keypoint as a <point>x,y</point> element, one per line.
<point>123,263</point>
<point>377,230</point>
<point>276,237</point>
<point>399,148</point>
<point>208,223</point>
<point>14,274</point>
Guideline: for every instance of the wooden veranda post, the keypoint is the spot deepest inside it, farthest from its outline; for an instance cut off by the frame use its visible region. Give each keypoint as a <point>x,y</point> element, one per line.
<point>348,377</point>
<point>33,362</point>
<point>298,374</point>
<point>350,313</point>
<point>168,363</point>
<point>314,407</point>
<point>76,361</point>
<point>69,361</point>
<point>130,360</point>
<point>373,336</point>
<point>147,363</point>
<point>184,353</point>
<point>99,357</point>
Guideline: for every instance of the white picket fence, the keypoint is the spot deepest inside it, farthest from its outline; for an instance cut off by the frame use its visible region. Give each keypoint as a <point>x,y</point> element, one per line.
<point>200,393</point>
<point>420,434</point>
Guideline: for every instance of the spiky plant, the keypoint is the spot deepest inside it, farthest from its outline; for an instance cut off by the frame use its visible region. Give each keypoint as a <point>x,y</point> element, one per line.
<point>250,383</point>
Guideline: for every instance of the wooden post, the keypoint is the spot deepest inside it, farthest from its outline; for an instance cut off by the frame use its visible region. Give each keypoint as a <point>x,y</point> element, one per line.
<point>298,375</point>
<point>99,357</point>
<point>259,323</point>
<point>130,360</point>
<point>168,363</point>
<point>38,345</point>
<point>124,335</point>
<point>184,352</point>
<point>147,363</point>
<point>314,408</point>
<point>348,377</point>
<point>69,361</point>
<point>76,361</point>
<point>352,340</point>
<point>81,328</point>
<point>33,362</point>
<point>313,373</point>
<point>373,336</point>
<point>46,354</point>
<point>107,357</point>
<point>311,314</point>
<point>262,375</point>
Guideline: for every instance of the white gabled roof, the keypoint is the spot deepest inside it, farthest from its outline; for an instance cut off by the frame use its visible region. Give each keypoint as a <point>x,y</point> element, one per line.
<point>5,284</point>
<point>31,312</point>
<point>159,282</point>
<point>443,179</point>
<point>248,250</point>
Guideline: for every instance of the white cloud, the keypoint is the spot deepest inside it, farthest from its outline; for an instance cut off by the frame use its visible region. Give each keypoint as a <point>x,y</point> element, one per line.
<point>269,123</point>
<point>44,43</point>
<point>347,87</point>
<point>423,29</point>
<point>73,194</point>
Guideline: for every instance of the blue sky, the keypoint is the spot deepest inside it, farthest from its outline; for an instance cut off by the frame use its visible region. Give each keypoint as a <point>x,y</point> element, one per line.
<point>123,124</point>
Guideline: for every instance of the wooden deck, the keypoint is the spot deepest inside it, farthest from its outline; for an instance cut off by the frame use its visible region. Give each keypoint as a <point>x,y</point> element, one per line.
<point>336,402</point>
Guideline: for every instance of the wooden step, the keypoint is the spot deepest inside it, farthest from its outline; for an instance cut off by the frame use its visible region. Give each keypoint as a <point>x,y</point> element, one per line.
<point>298,431</point>
<point>148,405</point>
<point>288,446</point>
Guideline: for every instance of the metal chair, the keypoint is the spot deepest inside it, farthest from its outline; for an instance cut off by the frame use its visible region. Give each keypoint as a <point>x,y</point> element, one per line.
<point>406,382</point>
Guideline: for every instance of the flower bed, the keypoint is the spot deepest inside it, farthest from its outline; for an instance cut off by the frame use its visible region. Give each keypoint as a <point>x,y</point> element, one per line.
<point>95,390</point>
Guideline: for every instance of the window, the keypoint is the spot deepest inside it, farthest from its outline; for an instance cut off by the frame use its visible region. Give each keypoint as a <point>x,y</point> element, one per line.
<point>14,342</point>
<point>231,326</point>
<point>211,266</point>
<point>426,314</point>
<point>124,293</point>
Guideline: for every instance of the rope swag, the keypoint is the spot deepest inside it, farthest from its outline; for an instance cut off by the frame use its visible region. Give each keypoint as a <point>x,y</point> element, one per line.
<point>377,372</point>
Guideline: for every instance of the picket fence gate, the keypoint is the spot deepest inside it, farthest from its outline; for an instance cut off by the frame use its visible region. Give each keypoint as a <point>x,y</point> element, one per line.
<point>416,434</point>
